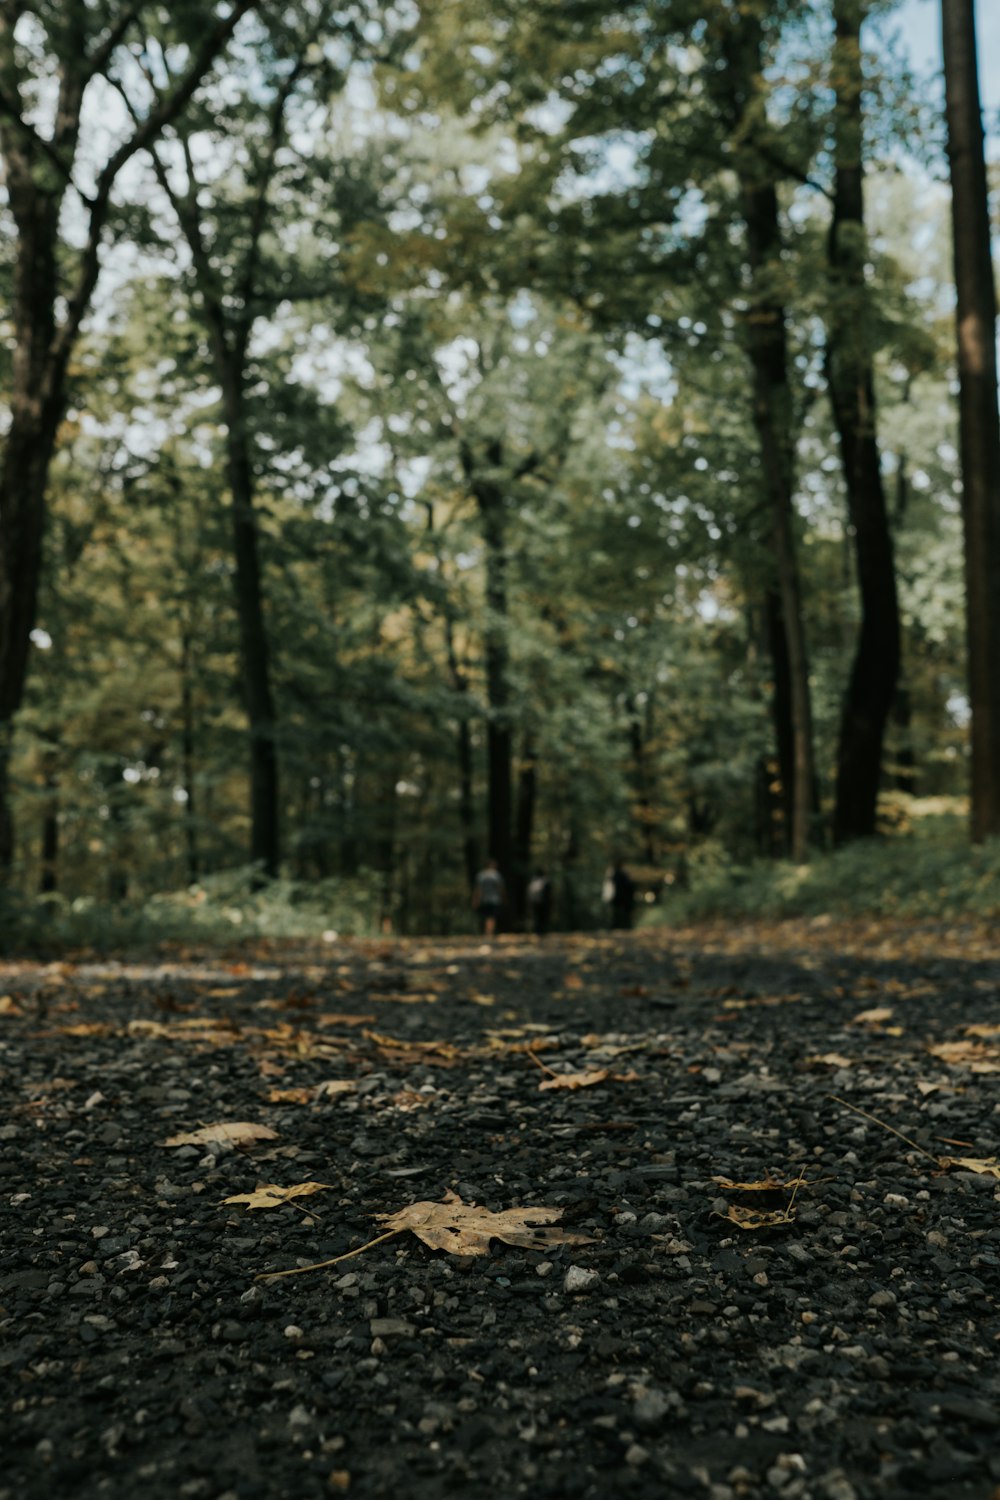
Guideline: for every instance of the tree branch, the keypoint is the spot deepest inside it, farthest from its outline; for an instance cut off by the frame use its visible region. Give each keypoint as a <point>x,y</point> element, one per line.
<point>164,113</point>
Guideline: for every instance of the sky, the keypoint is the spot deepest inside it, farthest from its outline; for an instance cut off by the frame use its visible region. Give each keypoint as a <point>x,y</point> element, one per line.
<point>920,24</point>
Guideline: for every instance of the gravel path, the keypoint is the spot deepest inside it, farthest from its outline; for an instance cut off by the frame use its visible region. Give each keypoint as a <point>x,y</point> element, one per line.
<point>844,1349</point>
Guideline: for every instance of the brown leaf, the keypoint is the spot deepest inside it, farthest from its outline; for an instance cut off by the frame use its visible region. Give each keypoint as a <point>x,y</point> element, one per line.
<point>754,1218</point>
<point>464,1229</point>
<point>9,1006</point>
<point>762,1185</point>
<point>269,1195</point>
<point>576,1080</point>
<point>873,1017</point>
<point>290,1096</point>
<point>829,1060</point>
<point>983,1167</point>
<point>977,1056</point>
<point>237,1133</point>
<point>331,1087</point>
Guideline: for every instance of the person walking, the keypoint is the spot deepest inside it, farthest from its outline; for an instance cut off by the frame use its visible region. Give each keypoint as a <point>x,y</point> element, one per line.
<point>488,896</point>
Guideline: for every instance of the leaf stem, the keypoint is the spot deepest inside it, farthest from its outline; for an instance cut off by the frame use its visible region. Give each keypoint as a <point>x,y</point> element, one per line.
<point>891,1128</point>
<point>321,1265</point>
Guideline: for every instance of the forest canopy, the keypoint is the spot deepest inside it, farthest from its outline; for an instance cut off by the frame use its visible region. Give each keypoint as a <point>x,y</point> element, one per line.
<point>448,430</point>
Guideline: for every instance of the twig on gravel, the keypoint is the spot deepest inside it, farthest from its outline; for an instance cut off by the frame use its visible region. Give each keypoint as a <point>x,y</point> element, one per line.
<point>891,1128</point>
<point>544,1066</point>
<point>321,1265</point>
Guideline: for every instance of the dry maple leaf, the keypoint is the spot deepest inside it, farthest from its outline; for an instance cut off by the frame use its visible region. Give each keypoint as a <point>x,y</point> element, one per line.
<point>762,1185</point>
<point>331,1087</point>
<point>575,1080</point>
<point>465,1229</point>
<point>755,1218</point>
<point>983,1167</point>
<point>269,1195</point>
<point>237,1133</point>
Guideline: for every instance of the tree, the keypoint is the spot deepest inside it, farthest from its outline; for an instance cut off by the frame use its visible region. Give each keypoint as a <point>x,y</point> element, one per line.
<point>851,382</point>
<point>979,424</point>
<point>773,414</point>
<point>77,47</point>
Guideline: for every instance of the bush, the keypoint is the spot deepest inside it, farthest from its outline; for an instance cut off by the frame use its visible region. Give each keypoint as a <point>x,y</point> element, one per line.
<point>931,872</point>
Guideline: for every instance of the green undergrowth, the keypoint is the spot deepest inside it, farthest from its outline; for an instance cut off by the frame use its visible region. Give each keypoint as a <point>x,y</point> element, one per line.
<point>924,874</point>
<point>223,910</point>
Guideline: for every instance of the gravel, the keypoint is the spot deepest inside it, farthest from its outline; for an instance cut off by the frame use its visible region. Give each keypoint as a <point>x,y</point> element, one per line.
<point>845,1349</point>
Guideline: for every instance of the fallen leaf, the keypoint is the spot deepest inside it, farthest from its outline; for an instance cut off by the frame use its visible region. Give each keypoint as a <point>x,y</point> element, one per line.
<point>985,1167</point>
<point>269,1195</point>
<point>927,1088</point>
<point>575,1080</point>
<point>753,1218</point>
<point>237,1133</point>
<point>331,1087</point>
<point>873,1017</point>
<point>977,1056</point>
<point>290,1096</point>
<point>830,1060</point>
<point>762,1185</point>
<point>465,1229</point>
<point>9,1006</point>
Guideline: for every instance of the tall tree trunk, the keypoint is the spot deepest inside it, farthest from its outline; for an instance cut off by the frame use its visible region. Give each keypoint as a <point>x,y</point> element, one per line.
<point>265,805</point>
<point>466,811</point>
<point>850,379</point>
<point>773,412</point>
<point>781,717</point>
<point>527,792</point>
<point>499,739</point>
<point>36,405</point>
<point>49,880</point>
<point>980,427</point>
<point>187,758</point>
<point>641,783</point>
<point>773,419</point>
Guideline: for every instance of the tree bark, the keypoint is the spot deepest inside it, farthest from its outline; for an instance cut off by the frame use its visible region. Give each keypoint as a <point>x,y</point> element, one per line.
<point>773,420</point>
<point>499,738</point>
<point>781,717</point>
<point>773,413</point>
<point>187,759</point>
<point>466,810</point>
<point>979,423</point>
<point>527,793</point>
<point>265,805</point>
<point>850,380</point>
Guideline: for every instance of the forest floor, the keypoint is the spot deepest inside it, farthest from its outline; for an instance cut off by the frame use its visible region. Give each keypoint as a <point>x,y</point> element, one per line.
<point>756,1286</point>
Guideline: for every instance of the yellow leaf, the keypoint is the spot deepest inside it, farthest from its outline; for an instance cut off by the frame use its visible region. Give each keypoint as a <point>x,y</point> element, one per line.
<point>269,1195</point>
<point>985,1167</point>
<point>753,1218</point>
<point>9,1006</point>
<point>575,1080</point>
<point>762,1185</point>
<point>873,1017</point>
<point>237,1133</point>
<point>463,1229</point>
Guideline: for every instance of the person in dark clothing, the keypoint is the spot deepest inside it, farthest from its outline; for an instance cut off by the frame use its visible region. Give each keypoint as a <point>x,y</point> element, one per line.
<point>488,896</point>
<point>622,896</point>
<point>540,902</point>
